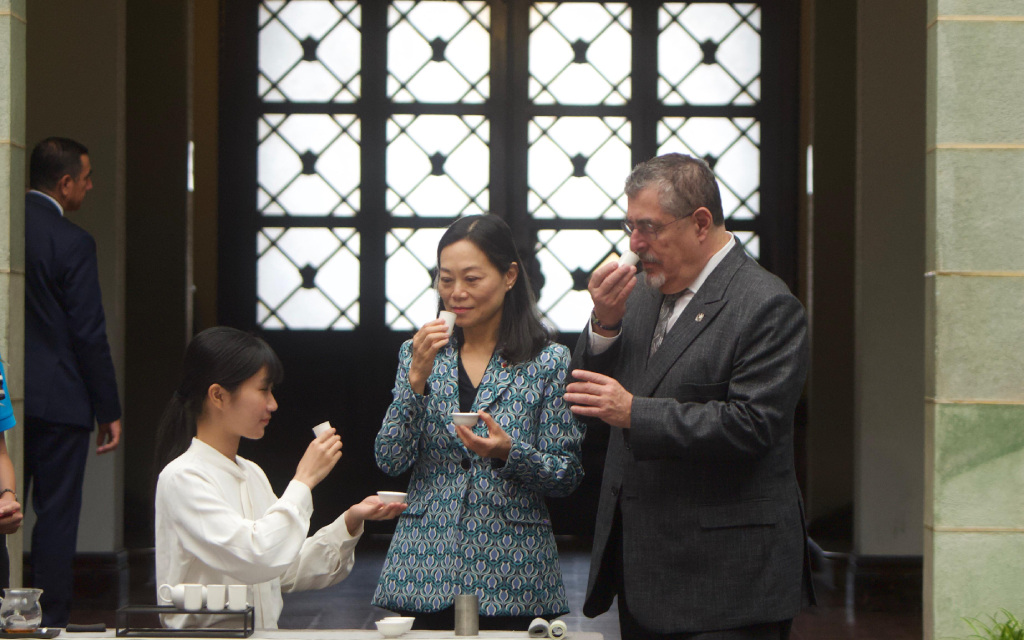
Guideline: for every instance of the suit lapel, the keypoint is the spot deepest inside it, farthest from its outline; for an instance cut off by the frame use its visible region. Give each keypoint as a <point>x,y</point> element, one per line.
<point>447,383</point>
<point>698,315</point>
<point>496,378</point>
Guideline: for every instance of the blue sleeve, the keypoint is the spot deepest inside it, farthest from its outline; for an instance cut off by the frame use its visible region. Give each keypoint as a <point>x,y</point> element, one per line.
<point>6,409</point>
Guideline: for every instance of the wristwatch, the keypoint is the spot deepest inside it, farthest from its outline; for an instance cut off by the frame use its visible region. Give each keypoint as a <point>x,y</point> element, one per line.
<point>606,327</point>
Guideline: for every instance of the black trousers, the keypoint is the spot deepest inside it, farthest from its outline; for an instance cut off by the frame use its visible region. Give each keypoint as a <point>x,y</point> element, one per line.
<point>5,563</point>
<point>55,458</point>
<point>631,629</point>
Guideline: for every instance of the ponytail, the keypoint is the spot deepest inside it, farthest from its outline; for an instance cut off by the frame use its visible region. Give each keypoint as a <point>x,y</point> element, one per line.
<point>174,432</point>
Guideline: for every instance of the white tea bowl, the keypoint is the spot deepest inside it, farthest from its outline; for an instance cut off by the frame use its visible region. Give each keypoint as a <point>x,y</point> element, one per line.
<point>387,497</point>
<point>394,626</point>
<point>465,419</point>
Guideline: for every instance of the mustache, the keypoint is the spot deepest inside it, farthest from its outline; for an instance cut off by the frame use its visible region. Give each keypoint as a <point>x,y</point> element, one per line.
<point>650,258</point>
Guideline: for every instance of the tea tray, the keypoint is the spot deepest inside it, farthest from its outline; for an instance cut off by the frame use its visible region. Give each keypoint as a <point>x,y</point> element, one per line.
<point>128,623</point>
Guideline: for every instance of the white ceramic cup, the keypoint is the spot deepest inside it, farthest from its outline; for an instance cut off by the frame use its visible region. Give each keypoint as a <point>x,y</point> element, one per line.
<point>238,596</point>
<point>629,259</point>
<point>320,428</point>
<point>449,320</point>
<point>216,597</point>
<point>193,600</point>
<point>465,419</point>
<point>175,594</point>
<point>387,497</point>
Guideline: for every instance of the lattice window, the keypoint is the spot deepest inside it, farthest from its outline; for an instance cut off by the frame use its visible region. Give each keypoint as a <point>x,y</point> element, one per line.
<point>308,165</point>
<point>709,53</point>
<point>439,52</point>
<point>308,278</point>
<point>437,165</point>
<point>441,124</point>
<point>309,51</point>
<point>411,266</point>
<point>580,53</point>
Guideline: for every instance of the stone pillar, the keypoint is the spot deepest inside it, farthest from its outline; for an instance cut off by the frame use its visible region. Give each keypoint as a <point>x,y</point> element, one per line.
<point>974,283</point>
<point>12,232</point>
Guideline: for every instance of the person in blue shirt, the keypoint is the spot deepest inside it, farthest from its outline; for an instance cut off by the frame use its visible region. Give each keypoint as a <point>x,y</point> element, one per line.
<point>10,509</point>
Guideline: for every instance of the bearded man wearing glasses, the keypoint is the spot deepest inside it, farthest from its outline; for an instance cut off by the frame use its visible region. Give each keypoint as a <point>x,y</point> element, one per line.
<point>697,365</point>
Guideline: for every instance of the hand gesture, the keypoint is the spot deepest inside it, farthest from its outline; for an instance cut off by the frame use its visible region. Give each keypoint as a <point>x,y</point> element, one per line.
<point>320,457</point>
<point>10,514</point>
<point>371,508</point>
<point>497,444</point>
<point>425,345</point>
<point>599,396</point>
<point>609,287</point>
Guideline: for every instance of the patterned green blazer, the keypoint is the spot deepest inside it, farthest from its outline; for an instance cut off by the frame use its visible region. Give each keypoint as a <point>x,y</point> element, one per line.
<point>473,525</point>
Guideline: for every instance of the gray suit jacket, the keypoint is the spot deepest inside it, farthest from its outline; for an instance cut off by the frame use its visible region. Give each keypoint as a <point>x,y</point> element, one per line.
<point>712,524</point>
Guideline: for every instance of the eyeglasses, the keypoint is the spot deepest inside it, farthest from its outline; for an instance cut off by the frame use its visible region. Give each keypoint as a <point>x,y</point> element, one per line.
<point>649,229</point>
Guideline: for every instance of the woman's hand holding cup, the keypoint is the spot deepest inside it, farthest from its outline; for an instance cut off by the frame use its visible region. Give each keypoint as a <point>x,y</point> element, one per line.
<point>425,345</point>
<point>320,457</point>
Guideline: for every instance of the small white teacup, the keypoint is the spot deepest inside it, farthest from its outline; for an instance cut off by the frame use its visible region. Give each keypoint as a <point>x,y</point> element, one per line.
<point>465,419</point>
<point>629,259</point>
<point>449,320</point>
<point>216,597</point>
<point>320,428</point>
<point>387,497</point>
<point>238,597</point>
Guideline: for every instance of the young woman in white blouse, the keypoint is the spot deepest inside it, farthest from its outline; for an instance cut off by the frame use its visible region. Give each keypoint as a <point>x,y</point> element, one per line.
<point>217,518</point>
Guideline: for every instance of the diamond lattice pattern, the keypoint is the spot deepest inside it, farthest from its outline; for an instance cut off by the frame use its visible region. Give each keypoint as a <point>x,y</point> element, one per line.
<point>580,53</point>
<point>308,164</point>
<point>411,262</point>
<point>577,165</point>
<point>709,53</point>
<point>309,51</point>
<point>437,165</point>
<point>308,278</point>
<point>439,52</point>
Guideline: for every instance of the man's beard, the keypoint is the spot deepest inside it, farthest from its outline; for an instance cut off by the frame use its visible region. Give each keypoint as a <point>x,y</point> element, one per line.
<point>652,282</point>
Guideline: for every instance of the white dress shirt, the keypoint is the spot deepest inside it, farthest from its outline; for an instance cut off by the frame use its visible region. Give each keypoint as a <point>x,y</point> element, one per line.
<point>50,198</point>
<point>219,522</point>
<point>599,344</point>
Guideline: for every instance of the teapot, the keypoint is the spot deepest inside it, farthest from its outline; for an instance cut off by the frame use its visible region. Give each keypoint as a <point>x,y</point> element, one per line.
<point>20,610</point>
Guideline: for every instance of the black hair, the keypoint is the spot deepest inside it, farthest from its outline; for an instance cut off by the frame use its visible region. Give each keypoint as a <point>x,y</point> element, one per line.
<point>219,355</point>
<point>684,184</point>
<point>52,159</point>
<point>521,334</point>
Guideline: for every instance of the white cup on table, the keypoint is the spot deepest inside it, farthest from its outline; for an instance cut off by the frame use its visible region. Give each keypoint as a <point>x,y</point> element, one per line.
<point>238,597</point>
<point>193,597</point>
<point>216,597</point>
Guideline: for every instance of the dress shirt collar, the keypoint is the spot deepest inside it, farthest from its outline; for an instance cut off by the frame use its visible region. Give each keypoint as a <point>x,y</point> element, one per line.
<point>208,454</point>
<point>712,263</point>
<point>50,198</point>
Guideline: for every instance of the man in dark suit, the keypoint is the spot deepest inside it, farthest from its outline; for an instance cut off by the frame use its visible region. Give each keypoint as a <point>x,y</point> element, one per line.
<point>69,375</point>
<point>698,368</point>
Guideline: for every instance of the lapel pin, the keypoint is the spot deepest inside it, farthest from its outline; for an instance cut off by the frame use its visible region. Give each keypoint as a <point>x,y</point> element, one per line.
<point>700,316</point>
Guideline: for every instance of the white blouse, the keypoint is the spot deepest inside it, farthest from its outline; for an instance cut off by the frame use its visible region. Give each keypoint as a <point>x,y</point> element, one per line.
<point>219,522</point>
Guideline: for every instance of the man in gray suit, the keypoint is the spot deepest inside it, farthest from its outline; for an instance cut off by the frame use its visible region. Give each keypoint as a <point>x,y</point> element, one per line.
<point>698,366</point>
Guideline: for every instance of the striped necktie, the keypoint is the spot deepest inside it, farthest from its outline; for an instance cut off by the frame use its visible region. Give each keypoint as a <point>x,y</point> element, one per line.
<point>668,305</point>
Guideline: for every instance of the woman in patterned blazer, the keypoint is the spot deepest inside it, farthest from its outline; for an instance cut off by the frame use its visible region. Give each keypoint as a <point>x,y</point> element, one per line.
<point>476,521</point>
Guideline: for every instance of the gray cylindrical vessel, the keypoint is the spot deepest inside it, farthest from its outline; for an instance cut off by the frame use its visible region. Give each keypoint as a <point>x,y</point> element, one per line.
<point>467,615</point>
